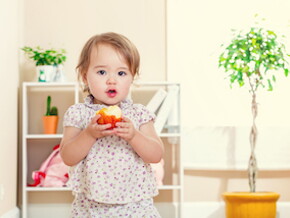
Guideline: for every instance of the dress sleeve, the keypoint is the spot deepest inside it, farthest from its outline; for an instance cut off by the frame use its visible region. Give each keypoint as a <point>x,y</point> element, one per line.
<point>145,115</point>
<point>73,117</point>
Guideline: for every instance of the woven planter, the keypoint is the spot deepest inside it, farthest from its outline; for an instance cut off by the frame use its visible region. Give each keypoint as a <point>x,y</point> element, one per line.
<point>250,204</point>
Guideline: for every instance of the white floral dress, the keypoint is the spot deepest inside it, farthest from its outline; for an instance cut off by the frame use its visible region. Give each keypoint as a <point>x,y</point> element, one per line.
<point>112,181</point>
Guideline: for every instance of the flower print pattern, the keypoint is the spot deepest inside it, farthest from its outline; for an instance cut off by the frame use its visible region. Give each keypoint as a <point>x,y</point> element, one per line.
<point>86,208</point>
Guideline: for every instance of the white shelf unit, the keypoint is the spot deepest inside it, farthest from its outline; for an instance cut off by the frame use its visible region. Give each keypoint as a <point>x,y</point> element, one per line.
<point>29,135</point>
<point>63,95</point>
<point>142,92</point>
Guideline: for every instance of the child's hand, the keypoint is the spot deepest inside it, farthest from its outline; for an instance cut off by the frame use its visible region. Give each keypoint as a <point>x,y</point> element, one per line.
<point>125,129</point>
<point>98,130</point>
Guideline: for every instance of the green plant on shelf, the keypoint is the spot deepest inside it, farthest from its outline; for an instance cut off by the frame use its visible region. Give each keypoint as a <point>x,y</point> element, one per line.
<point>50,111</point>
<point>45,57</point>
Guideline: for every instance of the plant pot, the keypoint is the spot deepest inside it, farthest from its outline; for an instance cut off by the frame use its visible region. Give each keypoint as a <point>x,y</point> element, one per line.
<point>59,74</point>
<point>45,73</point>
<point>250,204</point>
<point>50,124</point>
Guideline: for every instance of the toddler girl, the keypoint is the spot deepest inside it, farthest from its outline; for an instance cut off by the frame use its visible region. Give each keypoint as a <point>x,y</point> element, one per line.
<point>110,172</point>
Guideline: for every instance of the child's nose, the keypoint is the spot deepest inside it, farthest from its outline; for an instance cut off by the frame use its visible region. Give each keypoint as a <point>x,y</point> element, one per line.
<point>111,79</point>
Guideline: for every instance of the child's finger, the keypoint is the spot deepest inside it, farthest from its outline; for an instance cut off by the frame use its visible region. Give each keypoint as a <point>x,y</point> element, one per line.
<point>124,123</point>
<point>122,135</point>
<point>95,118</point>
<point>122,130</point>
<point>107,132</point>
<point>102,127</point>
<point>125,119</point>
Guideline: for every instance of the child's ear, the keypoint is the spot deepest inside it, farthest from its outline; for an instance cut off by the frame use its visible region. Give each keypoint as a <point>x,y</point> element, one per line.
<point>84,78</point>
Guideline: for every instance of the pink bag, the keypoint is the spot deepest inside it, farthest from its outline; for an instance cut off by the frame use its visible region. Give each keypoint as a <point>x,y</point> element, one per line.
<point>52,173</point>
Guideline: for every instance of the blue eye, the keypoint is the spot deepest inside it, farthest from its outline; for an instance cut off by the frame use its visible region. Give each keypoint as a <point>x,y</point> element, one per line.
<point>101,72</point>
<point>122,73</point>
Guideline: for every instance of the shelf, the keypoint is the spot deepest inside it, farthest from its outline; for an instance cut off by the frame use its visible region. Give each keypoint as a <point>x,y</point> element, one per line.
<point>154,83</point>
<point>169,187</point>
<point>49,84</point>
<point>45,189</point>
<point>44,136</point>
<point>169,135</point>
<point>187,166</point>
<point>36,144</point>
<point>59,136</point>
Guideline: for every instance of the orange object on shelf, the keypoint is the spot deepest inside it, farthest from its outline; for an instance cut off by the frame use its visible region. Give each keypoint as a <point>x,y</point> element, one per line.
<point>50,124</point>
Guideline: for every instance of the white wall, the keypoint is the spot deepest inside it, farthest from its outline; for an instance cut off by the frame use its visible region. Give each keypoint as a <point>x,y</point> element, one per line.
<point>69,24</point>
<point>215,117</point>
<point>9,18</point>
<point>196,30</point>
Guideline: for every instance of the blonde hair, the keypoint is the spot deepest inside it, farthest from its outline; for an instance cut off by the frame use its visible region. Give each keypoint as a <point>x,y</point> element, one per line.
<point>119,42</point>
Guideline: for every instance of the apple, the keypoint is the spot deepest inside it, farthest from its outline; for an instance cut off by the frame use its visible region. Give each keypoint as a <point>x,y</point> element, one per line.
<point>111,114</point>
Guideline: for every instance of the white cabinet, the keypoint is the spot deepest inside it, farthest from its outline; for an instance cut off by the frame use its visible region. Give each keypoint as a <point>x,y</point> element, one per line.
<point>37,146</point>
<point>167,123</point>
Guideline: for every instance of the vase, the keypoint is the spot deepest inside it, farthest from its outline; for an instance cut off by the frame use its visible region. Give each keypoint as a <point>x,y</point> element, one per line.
<point>45,73</point>
<point>59,74</point>
<point>250,204</point>
<point>50,124</point>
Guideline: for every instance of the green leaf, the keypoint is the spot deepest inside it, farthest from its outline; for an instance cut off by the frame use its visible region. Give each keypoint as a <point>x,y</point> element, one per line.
<point>45,57</point>
<point>286,72</point>
<point>254,54</point>
<point>233,78</point>
<point>270,87</point>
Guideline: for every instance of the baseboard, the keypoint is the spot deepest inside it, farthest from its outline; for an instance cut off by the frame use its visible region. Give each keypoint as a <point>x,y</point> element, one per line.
<point>14,213</point>
<point>203,210</point>
<point>166,209</point>
<point>217,210</point>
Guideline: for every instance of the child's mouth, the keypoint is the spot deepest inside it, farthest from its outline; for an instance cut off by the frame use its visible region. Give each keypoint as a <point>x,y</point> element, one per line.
<point>111,93</point>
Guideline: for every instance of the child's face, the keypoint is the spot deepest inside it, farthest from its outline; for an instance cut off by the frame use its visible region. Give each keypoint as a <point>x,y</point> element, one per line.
<point>108,77</point>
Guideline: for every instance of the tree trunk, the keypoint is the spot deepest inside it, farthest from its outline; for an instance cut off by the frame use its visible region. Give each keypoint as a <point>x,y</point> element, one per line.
<point>252,168</point>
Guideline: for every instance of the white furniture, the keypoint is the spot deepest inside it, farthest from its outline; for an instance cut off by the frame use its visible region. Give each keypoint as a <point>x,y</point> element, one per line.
<point>167,125</point>
<point>37,146</point>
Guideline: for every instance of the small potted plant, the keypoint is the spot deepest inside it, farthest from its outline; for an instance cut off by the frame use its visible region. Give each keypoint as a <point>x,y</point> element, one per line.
<point>252,60</point>
<point>50,119</point>
<point>48,62</point>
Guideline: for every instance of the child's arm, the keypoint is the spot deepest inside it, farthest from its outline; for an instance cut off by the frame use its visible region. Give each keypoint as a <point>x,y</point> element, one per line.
<point>76,143</point>
<point>145,141</point>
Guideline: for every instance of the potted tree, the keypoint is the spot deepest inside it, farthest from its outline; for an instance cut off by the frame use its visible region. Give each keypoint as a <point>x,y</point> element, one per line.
<point>252,60</point>
<point>50,119</point>
<point>48,62</point>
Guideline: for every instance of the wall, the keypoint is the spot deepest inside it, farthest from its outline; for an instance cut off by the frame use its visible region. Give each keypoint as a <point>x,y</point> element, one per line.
<point>221,115</point>
<point>68,24</point>
<point>9,25</point>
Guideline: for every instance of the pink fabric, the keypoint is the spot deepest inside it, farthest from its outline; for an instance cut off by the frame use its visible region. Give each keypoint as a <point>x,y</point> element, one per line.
<point>53,172</point>
<point>158,169</point>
